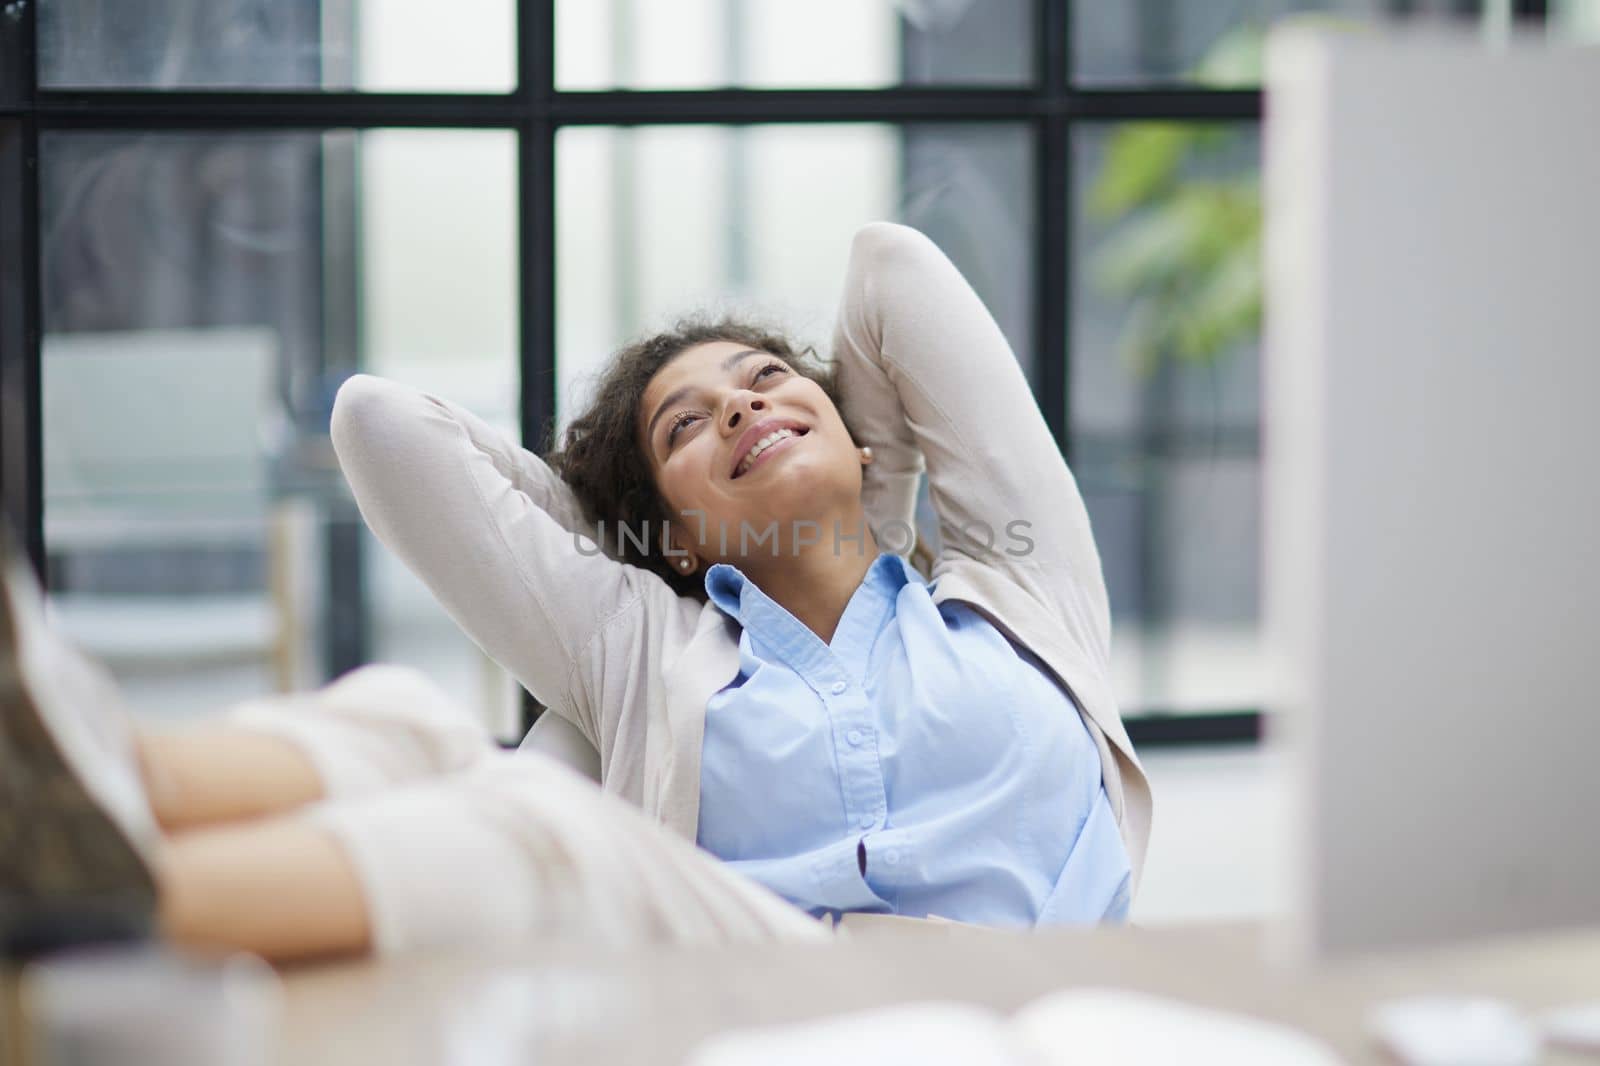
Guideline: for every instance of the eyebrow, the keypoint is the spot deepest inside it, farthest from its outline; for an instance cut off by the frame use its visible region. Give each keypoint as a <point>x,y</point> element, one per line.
<point>679,393</point>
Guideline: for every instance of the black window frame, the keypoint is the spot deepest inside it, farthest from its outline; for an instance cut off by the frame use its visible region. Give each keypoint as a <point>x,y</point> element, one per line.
<point>1052,106</point>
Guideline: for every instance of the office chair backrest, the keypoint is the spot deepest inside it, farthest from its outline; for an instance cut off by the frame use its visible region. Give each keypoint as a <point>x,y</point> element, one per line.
<point>158,425</point>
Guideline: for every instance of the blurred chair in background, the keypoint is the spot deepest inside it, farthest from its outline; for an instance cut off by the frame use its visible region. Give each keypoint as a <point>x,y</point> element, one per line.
<point>167,546</point>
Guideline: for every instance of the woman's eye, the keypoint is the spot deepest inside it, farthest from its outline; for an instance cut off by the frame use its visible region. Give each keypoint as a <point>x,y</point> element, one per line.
<point>677,424</point>
<point>770,366</point>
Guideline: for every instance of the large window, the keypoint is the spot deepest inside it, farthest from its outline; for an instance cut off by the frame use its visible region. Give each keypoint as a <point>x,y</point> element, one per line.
<point>211,214</point>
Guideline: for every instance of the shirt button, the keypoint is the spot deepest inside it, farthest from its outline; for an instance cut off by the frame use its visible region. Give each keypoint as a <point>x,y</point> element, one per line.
<point>891,856</point>
<point>838,687</point>
<point>855,736</point>
<point>866,821</point>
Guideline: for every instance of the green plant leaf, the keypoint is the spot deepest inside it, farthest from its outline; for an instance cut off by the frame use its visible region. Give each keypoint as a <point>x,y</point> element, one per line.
<point>1141,164</point>
<point>1184,247</point>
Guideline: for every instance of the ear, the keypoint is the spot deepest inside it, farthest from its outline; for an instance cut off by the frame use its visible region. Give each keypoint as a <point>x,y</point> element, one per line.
<point>678,547</point>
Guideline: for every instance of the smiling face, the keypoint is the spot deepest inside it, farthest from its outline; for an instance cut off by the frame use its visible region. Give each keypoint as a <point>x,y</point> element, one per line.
<point>737,435</point>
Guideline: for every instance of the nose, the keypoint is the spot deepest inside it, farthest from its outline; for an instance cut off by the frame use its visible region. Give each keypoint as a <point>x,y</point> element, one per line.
<point>742,406</point>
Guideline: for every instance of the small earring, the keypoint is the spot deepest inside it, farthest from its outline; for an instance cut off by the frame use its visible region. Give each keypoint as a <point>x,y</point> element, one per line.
<point>866,453</point>
<point>684,564</point>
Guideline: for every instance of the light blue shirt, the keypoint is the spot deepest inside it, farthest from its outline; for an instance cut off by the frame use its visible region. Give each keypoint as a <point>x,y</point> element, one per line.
<point>920,741</point>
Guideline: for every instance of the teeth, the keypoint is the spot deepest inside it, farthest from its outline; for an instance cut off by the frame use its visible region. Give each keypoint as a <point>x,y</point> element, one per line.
<point>762,445</point>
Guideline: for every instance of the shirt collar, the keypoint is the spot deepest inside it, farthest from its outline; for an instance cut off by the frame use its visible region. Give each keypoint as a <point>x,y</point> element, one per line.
<point>729,588</point>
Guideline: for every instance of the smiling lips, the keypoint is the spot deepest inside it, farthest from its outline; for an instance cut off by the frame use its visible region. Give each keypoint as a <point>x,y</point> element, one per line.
<point>763,438</point>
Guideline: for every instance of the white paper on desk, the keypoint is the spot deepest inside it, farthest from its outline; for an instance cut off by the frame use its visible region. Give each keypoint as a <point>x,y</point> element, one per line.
<point>915,1034</point>
<point>1092,1025</point>
<point>1077,1026</point>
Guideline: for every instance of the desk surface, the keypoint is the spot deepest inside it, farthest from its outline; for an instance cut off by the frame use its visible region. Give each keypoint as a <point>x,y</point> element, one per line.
<point>653,1006</point>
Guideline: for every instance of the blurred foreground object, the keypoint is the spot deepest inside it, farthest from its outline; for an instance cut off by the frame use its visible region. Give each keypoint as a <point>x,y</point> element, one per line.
<point>1432,590</point>
<point>148,1007</point>
<point>1072,1026</point>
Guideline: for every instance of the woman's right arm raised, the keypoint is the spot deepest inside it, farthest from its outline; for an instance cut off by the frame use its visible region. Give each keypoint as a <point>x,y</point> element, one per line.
<point>490,529</point>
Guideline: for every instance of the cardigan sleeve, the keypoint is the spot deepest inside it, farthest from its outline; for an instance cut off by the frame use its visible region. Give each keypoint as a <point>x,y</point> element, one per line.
<point>492,531</point>
<point>928,380</point>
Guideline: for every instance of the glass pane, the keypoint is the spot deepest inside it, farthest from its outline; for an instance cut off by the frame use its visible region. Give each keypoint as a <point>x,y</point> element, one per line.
<point>771,44</point>
<point>1165,401</point>
<point>204,296</point>
<point>658,221</point>
<point>370,45</point>
<point>1576,20</point>
<point>1209,42</point>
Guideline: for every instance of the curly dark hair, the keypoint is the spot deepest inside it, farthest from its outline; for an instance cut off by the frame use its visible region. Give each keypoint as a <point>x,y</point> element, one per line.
<point>601,458</point>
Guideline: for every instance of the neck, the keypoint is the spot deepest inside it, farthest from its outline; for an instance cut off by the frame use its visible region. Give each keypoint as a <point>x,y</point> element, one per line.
<point>815,583</point>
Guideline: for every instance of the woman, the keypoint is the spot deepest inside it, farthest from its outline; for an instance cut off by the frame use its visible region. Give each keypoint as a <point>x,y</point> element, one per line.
<point>757,666</point>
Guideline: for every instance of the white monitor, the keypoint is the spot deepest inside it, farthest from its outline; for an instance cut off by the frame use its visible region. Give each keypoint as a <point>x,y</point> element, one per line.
<point>1432,482</point>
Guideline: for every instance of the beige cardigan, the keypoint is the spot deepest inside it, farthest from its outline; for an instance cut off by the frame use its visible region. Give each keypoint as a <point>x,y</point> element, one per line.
<point>926,377</point>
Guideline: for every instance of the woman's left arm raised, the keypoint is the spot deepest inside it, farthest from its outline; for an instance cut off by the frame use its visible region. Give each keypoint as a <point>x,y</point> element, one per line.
<point>926,375</point>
